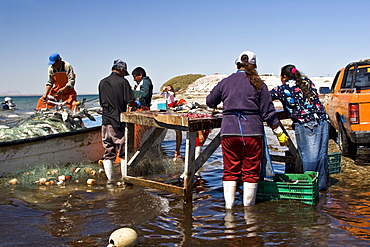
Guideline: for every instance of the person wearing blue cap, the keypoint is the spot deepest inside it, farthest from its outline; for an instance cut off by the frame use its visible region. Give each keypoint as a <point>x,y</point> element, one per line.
<point>60,85</point>
<point>115,94</point>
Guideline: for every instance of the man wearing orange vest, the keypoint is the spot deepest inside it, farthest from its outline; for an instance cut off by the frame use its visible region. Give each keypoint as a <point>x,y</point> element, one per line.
<point>60,85</point>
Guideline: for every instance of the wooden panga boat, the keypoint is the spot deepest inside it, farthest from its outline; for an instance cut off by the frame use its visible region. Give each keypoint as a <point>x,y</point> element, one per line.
<point>73,146</point>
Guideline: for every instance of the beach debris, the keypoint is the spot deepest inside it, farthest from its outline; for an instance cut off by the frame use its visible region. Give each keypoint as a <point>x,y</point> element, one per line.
<point>91,181</point>
<point>123,237</point>
<point>42,181</point>
<point>53,174</point>
<point>76,169</point>
<point>13,181</point>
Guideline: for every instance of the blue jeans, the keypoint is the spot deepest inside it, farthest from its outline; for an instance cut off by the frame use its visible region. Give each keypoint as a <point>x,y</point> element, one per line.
<point>312,140</point>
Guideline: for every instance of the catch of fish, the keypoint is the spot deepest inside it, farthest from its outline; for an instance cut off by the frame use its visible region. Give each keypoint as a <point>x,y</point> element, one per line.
<point>46,122</point>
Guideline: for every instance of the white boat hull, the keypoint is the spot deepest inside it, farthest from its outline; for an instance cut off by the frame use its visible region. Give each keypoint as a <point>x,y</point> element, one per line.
<point>83,145</point>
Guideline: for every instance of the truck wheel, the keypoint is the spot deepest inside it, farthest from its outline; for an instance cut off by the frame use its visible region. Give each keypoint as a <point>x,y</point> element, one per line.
<point>349,149</point>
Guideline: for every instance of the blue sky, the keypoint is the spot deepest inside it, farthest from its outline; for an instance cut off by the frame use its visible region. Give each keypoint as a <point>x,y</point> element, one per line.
<point>171,37</point>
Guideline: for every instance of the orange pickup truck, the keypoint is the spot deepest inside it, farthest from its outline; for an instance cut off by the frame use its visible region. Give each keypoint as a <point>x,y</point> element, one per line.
<point>348,106</point>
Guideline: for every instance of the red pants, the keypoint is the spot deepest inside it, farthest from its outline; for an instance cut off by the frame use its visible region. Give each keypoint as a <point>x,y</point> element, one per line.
<point>242,161</point>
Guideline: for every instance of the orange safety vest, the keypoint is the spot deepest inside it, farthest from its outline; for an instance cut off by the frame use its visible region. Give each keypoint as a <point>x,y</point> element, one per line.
<point>69,95</point>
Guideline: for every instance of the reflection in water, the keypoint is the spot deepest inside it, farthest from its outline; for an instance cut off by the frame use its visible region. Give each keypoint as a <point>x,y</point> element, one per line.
<point>229,224</point>
<point>77,215</point>
<point>353,213</point>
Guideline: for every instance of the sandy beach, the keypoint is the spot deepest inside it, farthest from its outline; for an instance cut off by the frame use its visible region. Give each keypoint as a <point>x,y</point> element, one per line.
<point>198,91</point>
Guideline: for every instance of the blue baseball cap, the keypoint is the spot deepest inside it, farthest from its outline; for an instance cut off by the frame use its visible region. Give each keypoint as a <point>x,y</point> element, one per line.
<point>53,58</point>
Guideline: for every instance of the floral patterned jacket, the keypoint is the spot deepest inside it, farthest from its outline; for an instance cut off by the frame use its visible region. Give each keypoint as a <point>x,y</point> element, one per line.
<point>300,108</point>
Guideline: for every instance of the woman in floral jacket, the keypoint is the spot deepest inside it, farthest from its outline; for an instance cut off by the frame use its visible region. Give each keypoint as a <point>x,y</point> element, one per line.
<point>299,97</point>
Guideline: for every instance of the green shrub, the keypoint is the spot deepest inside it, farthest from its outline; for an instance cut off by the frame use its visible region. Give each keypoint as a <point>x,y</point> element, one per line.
<point>182,82</point>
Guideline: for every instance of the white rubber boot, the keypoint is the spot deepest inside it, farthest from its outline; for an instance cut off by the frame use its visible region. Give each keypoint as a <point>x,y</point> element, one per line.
<point>109,170</point>
<point>229,193</point>
<point>249,193</point>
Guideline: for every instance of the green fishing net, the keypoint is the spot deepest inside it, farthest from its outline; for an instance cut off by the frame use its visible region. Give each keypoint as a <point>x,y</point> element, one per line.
<point>40,124</point>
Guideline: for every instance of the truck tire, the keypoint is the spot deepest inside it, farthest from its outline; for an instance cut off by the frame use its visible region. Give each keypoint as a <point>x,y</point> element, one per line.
<point>348,148</point>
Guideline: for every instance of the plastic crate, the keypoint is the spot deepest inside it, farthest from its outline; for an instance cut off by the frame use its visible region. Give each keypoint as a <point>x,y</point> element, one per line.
<point>301,187</point>
<point>334,163</point>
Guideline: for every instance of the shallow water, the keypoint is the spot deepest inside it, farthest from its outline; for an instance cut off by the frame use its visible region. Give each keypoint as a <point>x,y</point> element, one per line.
<point>78,215</point>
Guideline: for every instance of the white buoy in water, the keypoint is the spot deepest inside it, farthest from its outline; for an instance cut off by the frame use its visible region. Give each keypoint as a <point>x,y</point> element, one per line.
<point>123,237</point>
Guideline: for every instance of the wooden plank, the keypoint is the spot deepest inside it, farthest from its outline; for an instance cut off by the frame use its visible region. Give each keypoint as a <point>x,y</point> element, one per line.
<point>171,120</point>
<point>281,158</point>
<point>154,184</point>
<point>196,124</point>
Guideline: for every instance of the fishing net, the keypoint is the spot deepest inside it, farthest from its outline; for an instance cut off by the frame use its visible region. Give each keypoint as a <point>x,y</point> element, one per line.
<point>41,124</point>
<point>51,174</point>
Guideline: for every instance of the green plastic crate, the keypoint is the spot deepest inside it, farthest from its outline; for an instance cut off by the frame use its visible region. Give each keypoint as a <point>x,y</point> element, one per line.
<point>334,163</point>
<point>301,187</point>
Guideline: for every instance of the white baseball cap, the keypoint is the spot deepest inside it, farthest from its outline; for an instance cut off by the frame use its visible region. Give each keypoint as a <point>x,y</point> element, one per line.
<point>251,57</point>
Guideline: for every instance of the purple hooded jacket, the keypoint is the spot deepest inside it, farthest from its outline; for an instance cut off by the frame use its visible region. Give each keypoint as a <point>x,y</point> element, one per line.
<point>244,108</point>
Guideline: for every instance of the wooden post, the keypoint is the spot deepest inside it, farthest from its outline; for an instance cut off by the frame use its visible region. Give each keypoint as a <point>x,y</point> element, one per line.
<point>189,167</point>
<point>129,147</point>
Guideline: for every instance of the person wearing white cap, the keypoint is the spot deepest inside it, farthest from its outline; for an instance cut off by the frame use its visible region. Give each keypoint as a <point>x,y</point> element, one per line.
<point>115,94</point>
<point>8,104</point>
<point>247,104</point>
<point>60,85</point>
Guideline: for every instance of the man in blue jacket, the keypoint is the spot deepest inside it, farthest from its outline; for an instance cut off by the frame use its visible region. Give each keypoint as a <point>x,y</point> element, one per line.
<point>143,89</point>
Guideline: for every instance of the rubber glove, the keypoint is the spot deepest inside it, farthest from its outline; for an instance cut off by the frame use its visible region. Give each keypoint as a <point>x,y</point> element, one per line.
<point>138,104</point>
<point>282,138</point>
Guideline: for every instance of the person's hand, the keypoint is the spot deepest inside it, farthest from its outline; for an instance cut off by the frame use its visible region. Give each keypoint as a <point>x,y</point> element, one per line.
<point>138,103</point>
<point>44,97</point>
<point>282,138</point>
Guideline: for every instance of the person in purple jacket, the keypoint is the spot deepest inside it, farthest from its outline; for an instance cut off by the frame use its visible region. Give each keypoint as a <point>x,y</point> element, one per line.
<point>246,105</point>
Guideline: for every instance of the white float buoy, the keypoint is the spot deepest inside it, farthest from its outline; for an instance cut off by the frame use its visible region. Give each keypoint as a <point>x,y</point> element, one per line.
<point>123,237</point>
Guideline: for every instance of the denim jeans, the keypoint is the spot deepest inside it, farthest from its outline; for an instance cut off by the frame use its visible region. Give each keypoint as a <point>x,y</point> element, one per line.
<point>312,140</point>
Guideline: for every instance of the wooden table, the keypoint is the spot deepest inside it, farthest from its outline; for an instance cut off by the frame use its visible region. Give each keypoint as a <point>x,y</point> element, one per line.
<point>176,121</point>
